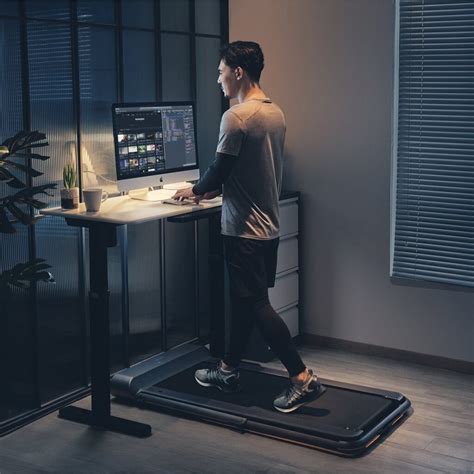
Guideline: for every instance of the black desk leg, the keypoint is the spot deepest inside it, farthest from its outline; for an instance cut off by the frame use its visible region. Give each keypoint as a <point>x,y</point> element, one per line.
<point>217,324</point>
<point>101,236</point>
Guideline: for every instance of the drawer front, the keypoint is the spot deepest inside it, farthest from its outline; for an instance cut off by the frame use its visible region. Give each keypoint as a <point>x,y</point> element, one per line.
<point>288,218</point>
<point>285,291</point>
<point>291,318</point>
<point>287,254</point>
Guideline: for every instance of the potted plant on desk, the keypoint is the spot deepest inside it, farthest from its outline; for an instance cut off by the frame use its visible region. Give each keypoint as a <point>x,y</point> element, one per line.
<point>70,193</point>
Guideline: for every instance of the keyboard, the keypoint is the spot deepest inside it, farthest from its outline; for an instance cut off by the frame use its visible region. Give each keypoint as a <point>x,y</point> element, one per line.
<point>183,202</point>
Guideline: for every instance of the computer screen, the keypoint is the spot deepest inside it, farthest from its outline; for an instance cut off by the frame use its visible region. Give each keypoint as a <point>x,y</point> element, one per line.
<point>155,143</point>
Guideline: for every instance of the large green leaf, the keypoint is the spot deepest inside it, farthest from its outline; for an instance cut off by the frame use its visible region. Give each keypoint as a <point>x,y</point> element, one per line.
<point>32,269</point>
<point>35,203</point>
<point>24,196</point>
<point>17,147</point>
<point>25,140</point>
<point>27,169</point>
<point>24,217</point>
<point>11,180</point>
<point>22,274</point>
<point>34,156</point>
<point>41,189</point>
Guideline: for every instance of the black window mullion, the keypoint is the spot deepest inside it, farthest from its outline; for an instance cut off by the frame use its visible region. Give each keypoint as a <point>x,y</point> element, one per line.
<point>120,97</point>
<point>76,99</point>
<point>119,49</point>
<point>158,60</point>
<point>33,300</point>
<point>25,70</point>
<point>192,49</point>
<point>193,70</point>
<point>225,103</point>
<point>76,104</point>
<point>224,20</point>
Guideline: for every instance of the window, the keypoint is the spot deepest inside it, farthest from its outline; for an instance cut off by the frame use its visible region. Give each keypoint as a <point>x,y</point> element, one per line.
<point>433,145</point>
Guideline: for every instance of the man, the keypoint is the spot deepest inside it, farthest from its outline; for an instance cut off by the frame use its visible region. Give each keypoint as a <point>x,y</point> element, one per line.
<point>248,171</point>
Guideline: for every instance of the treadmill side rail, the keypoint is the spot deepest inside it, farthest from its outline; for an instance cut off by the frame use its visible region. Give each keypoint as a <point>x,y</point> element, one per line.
<point>127,382</point>
<point>232,421</point>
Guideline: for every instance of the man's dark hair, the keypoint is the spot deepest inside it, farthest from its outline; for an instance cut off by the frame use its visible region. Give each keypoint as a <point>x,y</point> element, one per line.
<point>246,54</point>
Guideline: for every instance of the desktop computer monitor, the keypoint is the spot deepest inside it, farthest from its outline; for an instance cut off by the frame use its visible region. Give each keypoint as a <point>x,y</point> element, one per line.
<point>155,144</point>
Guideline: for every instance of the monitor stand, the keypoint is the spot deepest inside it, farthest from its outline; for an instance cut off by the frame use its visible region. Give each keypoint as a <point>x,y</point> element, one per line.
<point>180,185</point>
<point>154,195</point>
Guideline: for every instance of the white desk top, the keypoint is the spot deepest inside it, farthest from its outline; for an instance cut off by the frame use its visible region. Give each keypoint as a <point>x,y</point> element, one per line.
<point>123,210</point>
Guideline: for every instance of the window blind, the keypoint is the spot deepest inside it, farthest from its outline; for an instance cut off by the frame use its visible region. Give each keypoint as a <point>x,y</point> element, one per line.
<point>434,187</point>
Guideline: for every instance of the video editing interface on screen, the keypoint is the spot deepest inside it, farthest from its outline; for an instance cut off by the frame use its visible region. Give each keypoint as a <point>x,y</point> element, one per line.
<point>153,139</point>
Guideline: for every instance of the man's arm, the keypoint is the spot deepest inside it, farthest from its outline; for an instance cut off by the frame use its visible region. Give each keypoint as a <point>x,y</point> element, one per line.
<point>216,175</point>
<point>213,178</point>
<point>209,195</point>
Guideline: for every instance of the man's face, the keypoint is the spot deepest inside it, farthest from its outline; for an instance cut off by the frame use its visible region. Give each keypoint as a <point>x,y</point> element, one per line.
<point>227,80</point>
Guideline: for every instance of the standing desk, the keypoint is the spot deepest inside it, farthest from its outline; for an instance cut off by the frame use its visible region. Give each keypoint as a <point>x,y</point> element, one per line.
<point>102,227</point>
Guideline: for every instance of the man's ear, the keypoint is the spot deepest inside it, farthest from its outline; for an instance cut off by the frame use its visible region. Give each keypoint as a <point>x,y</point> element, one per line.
<point>239,72</point>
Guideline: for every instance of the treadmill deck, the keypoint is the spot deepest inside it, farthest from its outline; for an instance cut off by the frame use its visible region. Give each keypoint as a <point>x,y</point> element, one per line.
<point>345,419</point>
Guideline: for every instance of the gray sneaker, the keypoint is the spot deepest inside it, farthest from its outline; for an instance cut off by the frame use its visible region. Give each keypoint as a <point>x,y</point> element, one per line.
<point>295,396</point>
<point>227,382</point>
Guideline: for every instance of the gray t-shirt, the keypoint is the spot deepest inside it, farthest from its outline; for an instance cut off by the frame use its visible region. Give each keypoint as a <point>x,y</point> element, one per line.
<point>254,132</point>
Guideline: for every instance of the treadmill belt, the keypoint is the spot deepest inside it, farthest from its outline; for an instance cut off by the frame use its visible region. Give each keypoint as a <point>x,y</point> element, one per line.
<point>344,410</point>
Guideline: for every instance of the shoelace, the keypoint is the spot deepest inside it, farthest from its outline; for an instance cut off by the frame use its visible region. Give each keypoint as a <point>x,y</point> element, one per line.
<point>215,375</point>
<point>293,393</point>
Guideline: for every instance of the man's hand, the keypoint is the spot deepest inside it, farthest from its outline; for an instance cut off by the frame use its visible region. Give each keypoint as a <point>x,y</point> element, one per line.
<point>186,193</point>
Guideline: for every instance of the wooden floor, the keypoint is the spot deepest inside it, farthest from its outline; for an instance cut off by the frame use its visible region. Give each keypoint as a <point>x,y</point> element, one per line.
<point>438,437</point>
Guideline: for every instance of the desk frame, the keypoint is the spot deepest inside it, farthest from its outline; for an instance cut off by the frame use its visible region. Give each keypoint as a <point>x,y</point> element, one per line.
<point>101,237</point>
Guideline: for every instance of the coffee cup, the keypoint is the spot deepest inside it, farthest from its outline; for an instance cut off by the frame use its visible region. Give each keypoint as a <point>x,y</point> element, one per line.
<point>93,198</point>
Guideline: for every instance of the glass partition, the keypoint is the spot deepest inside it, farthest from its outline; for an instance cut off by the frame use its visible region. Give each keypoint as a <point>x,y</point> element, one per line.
<point>62,65</point>
<point>138,13</point>
<point>98,91</point>
<point>96,12</point>
<point>174,15</point>
<point>175,60</point>
<point>139,66</point>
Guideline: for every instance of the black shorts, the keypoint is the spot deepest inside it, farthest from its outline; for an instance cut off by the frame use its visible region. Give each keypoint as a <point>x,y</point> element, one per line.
<point>251,264</point>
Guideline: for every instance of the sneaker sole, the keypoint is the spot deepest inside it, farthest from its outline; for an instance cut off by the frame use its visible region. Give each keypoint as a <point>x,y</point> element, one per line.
<point>289,410</point>
<point>222,389</point>
<point>321,390</point>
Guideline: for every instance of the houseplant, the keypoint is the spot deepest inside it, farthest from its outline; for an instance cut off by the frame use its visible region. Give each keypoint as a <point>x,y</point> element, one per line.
<point>18,208</point>
<point>16,171</point>
<point>70,193</point>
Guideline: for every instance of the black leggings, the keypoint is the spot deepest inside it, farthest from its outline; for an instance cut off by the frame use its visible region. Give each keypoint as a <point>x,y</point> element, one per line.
<point>250,310</point>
